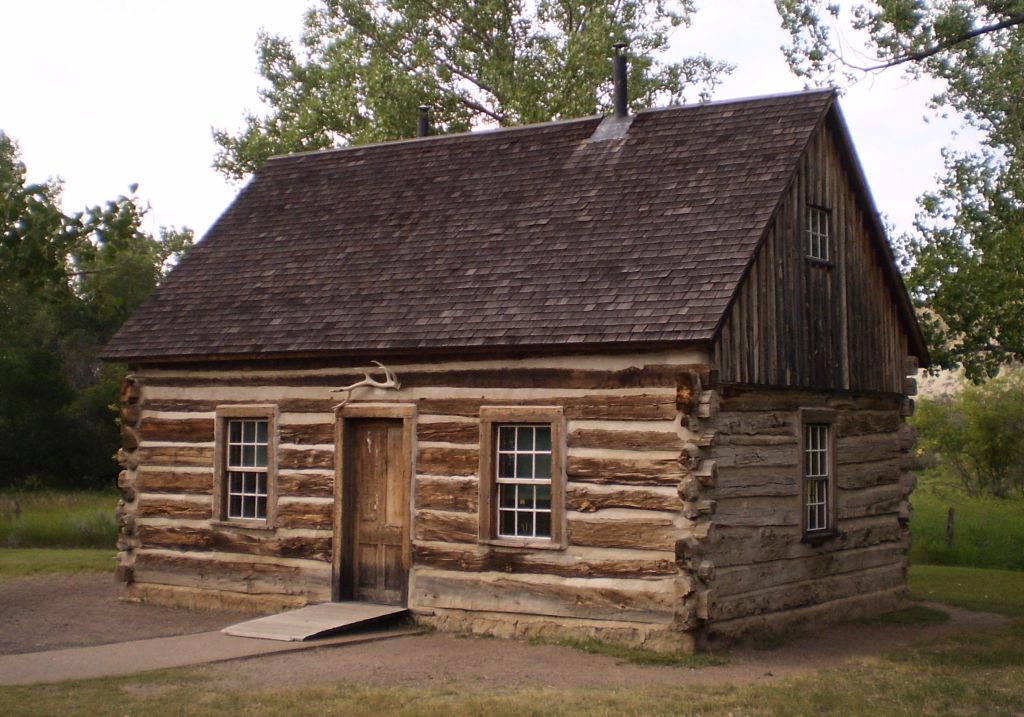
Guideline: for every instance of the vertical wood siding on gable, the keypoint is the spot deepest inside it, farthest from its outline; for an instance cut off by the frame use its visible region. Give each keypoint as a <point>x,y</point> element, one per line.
<point>801,323</point>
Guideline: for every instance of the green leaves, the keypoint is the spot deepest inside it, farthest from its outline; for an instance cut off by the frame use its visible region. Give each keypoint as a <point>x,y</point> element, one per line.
<point>365,66</point>
<point>67,282</point>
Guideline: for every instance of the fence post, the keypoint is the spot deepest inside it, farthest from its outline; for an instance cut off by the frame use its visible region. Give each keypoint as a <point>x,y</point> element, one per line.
<point>949,528</point>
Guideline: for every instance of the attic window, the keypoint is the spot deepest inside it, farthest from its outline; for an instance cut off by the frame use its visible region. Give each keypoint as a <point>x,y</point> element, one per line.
<point>817,233</point>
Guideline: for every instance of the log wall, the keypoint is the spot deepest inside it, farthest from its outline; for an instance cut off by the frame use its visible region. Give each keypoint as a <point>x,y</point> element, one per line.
<point>804,323</point>
<point>627,451</point>
<point>763,575</point>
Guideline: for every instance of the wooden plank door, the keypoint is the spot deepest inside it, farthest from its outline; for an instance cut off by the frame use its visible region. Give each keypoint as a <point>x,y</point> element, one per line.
<point>377,511</point>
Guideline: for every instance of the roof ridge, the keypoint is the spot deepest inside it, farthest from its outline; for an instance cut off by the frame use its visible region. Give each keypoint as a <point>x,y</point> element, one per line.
<point>491,131</point>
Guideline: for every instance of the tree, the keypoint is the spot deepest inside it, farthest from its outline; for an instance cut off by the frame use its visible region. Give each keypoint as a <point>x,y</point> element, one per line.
<point>67,282</point>
<point>963,261</point>
<point>977,437</point>
<point>366,64</point>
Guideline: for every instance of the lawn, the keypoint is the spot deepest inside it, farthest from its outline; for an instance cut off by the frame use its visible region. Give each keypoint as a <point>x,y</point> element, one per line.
<point>16,562</point>
<point>971,674</point>
<point>46,519</point>
<point>988,532</point>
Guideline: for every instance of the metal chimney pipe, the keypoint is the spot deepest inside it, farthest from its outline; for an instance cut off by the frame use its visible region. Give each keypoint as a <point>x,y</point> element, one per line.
<point>619,77</point>
<point>423,121</point>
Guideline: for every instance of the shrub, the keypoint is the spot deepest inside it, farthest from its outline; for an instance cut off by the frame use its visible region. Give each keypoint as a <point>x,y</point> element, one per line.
<point>978,436</point>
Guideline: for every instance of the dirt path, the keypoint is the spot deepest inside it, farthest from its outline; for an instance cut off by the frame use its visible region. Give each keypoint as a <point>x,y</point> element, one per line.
<point>491,665</point>
<point>52,611</point>
<point>43,613</point>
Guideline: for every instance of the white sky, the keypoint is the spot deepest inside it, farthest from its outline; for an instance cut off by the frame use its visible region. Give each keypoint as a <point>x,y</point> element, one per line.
<point>104,93</point>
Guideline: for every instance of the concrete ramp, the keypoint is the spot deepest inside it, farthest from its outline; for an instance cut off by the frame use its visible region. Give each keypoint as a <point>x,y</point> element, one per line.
<point>313,621</point>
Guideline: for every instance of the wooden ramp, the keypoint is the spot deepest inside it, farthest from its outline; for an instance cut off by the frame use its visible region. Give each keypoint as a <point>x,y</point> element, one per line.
<point>314,621</point>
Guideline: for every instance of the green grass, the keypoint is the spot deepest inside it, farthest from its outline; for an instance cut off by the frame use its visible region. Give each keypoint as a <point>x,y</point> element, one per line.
<point>973,588</point>
<point>968,675</point>
<point>643,657</point>
<point>58,520</point>
<point>17,562</point>
<point>988,532</point>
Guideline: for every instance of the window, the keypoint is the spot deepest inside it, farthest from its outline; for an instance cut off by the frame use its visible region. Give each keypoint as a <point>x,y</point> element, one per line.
<point>521,486</point>
<point>245,464</point>
<point>523,473</point>
<point>247,468</point>
<point>818,473</point>
<point>817,233</point>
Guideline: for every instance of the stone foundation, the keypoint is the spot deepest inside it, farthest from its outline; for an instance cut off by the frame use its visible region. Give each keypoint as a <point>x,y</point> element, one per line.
<point>658,638</point>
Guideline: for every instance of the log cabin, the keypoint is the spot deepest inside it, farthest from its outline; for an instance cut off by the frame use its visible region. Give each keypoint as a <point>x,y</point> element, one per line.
<point>641,377</point>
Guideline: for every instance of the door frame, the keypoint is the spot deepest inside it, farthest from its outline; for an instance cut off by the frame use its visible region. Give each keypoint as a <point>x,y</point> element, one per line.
<point>341,561</point>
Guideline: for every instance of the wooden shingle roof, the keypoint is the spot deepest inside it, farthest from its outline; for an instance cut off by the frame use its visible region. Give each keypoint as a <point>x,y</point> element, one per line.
<point>523,237</point>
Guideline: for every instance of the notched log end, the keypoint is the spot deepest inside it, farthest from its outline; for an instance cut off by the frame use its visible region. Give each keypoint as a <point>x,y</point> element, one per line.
<point>697,508</point>
<point>707,473</point>
<point>125,574</point>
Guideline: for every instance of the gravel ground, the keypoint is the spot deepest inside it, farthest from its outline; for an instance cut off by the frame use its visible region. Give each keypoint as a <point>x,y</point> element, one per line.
<point>49,612</point>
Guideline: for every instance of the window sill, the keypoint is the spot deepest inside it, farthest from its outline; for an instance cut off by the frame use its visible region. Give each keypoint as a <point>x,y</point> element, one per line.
<point>823,263</point>
<point>819,537</point>
<point>261,525</point>
<point>514,544</point>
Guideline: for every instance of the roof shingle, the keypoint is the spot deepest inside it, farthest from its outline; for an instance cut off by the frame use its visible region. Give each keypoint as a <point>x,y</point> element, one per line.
<point>523,237</point>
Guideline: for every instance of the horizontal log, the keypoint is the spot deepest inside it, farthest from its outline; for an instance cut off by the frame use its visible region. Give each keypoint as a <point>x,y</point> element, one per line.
<point>307,485</point>
<point>445,527</point>
<point>626,440</point>
<point>300,458</point>
<point>861,449</point>
<point>592,563</point>
<point>595,599</point>
<point>449,432</point>
<point>764,423</point>
<point>760,511</point>
<point>511,377</point>
<point>175,456</point>
<point>758,456</point>
<point>294,514</point>
<point>640,407</point>
<point>862,423</point>
<point>748,578</point>
<point>460,496</point>
<point>206,405</point>
<point>878,500</point>
<point>735,398</point>
<point>587,498</point>
<point>156,506</point>
<point>742,439</point>
<point>755,481</point>
<point>244,576</point>
<point>867,475</point>
<point>448,461</point>
<point>639,471</point>
<point>307,433</point>
<point>727,546</point>
<point>154,480</point>
<point>809,592</point>
<point>630,530</point>
<point>227,540</point>
<point>187,430</point>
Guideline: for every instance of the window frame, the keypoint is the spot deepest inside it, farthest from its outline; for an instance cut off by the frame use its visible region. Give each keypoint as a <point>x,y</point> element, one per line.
<point>491,417</point>
<point>818,417</point>
<point>225,414</point>
<point>823,237</point>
